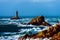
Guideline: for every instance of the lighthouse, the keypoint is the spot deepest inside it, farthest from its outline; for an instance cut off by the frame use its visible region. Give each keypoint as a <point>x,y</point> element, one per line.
<point>16,13</point>
<point>16,16</point>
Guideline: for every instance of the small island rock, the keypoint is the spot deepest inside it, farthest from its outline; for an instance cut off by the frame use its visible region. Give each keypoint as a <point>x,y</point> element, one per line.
<point>40,20</point>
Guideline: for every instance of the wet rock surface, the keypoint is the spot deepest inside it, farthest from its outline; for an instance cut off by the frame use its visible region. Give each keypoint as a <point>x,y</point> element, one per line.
<point>56,36</point>
<point>49,32</point>
<point>40,20</point>
<point>53,32</point>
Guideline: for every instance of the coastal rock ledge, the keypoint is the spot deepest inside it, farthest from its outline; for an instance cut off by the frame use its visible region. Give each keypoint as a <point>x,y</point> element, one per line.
<point>40,20</point>
<point>53,32</point>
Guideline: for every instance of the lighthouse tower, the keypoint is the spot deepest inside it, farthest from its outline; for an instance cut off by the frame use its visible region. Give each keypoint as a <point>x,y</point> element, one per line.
<point>16,13</point>
<point>16,16</point>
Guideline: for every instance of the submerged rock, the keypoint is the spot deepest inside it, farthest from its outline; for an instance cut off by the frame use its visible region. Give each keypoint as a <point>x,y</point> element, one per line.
<point>40,20</point>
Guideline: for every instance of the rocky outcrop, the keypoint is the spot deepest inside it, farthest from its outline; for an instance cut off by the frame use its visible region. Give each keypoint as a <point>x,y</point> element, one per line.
<point>49,32</point>
<point>15,17</point>
<point>40,20</point>
<point>56,36</point>
<point>53,31</point>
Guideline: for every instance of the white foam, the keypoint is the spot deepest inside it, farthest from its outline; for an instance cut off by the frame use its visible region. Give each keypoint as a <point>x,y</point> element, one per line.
<point>15,37</point>
<point>37,39</point>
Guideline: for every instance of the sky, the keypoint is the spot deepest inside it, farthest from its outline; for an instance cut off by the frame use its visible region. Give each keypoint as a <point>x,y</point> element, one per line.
<point>30,7</point>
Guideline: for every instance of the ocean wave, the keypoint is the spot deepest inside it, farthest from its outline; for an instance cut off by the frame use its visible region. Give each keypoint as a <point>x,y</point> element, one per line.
<point>14,37</point>
<point>22,32</point>
<point>31,30</point>
<point>26,20</point>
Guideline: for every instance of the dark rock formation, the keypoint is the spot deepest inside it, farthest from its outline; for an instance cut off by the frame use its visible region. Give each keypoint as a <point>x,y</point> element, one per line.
<point>49,32</point>
<point>16,17</point>
<point>40,20</point>
<point>53,32</point>
<point>56,36</point>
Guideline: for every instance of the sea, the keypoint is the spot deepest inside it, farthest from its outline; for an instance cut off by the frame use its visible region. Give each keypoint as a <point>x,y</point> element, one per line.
<point>13,29</point>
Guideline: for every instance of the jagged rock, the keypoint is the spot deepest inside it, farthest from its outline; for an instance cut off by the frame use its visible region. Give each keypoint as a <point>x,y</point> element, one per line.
<point>56,36</point>
<point>40,20</point>
<point>50,32</point>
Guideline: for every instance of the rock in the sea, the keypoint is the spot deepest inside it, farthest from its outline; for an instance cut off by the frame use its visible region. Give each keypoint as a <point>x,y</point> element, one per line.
<point>40,20</point>
<point>15,17</point>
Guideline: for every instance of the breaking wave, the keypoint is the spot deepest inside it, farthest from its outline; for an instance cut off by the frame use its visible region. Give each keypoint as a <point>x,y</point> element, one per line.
<point>22,31</point>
